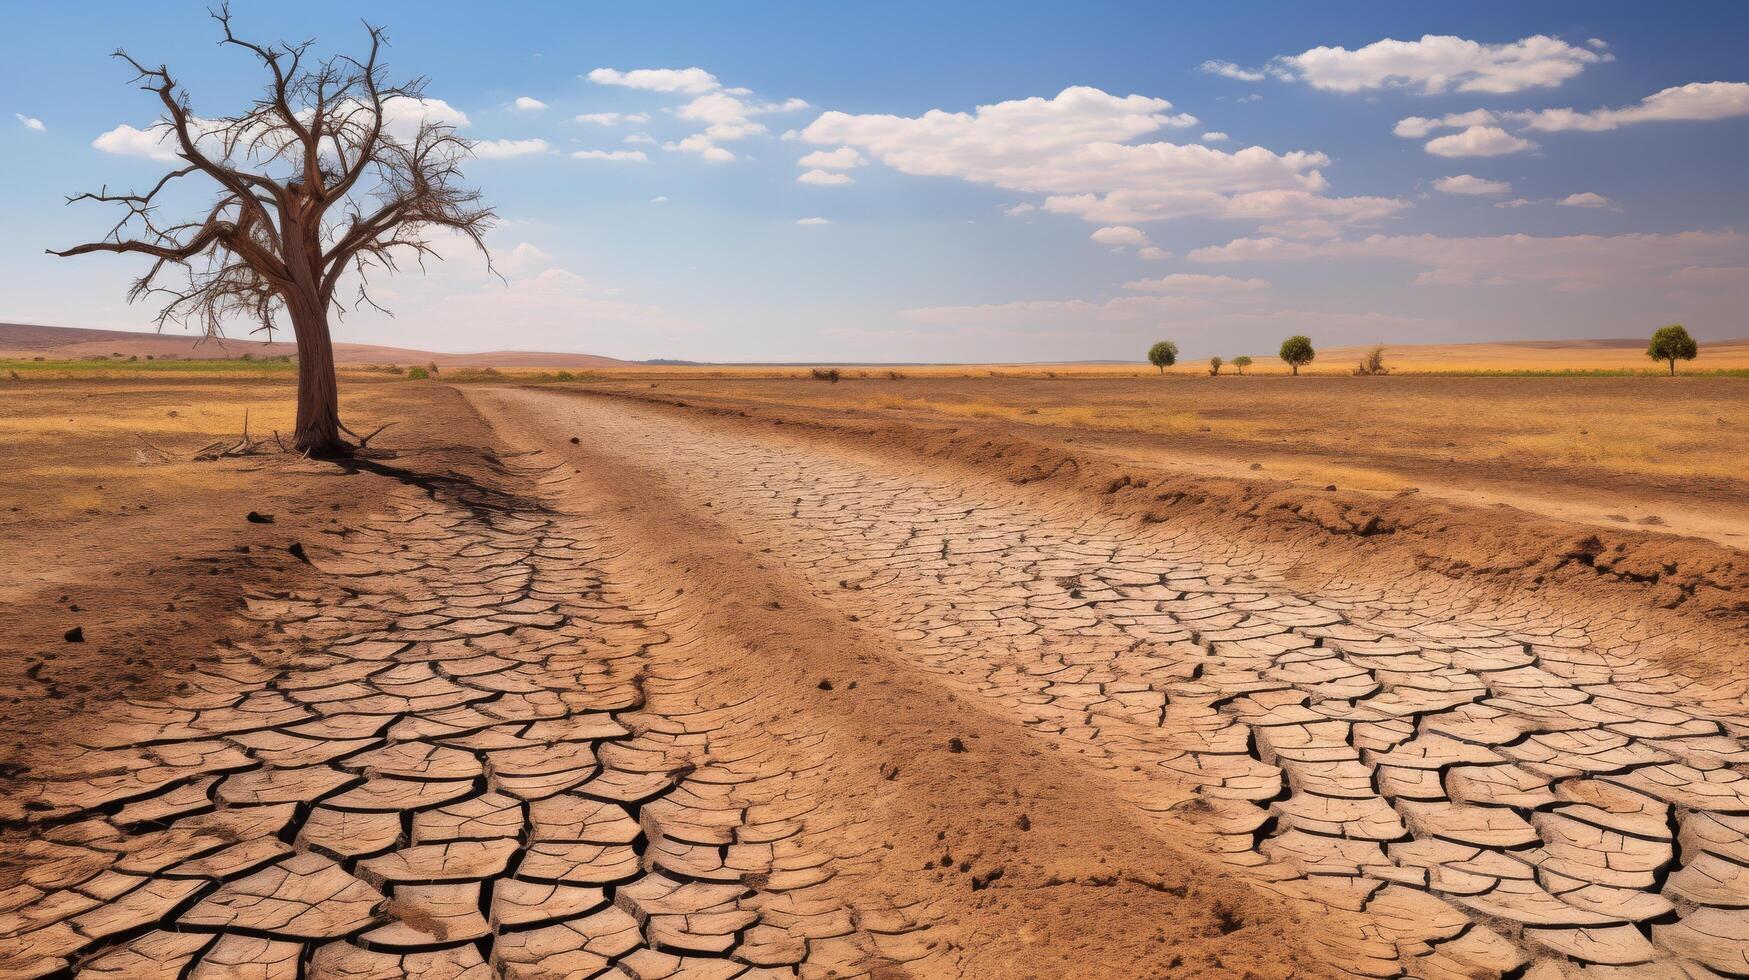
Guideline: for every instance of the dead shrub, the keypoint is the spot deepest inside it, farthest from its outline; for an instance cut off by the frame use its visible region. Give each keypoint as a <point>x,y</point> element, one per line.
<point>1373,364</point>
<point>827,374</point>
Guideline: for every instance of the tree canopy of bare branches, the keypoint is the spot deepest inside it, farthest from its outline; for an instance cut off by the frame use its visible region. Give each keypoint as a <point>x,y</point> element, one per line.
<point>333,174</point>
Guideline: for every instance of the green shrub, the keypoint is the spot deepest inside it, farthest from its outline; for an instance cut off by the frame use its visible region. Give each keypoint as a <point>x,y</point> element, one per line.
<point>1672,344</point>
<point>1163,355</point>
<point>1297,350</point>
<point>418,374</point>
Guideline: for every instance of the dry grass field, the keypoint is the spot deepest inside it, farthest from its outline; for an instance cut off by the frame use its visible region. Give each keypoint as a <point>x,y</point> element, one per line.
<point>1645,450</point>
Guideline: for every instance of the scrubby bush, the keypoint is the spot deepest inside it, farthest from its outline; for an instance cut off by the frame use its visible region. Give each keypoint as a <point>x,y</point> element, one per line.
<point>896,375</point>
<point>1241,362</point>
<point>1215,367</point>
<point>432,367</point>
<point>827,374</point>
<point>1672,344</point>
<point>566,376</point>
<point>1297,350</point>
<point>1372,364</point>
<point>417,373</point>
<point>1163,355</point>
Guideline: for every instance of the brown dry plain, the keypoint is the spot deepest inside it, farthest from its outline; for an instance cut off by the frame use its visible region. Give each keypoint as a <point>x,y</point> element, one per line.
<point>665,674</point>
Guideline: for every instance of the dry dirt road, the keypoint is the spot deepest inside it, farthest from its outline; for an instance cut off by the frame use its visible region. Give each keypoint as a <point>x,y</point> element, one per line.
<point>673,695</point>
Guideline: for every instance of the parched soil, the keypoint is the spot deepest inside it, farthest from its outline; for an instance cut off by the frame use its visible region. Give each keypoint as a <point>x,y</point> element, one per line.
<point>595,685</point>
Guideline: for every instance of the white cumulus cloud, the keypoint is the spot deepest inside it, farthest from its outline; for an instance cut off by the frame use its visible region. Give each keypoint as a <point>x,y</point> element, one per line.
<point>1469,184</point>
<point>1075,150</point>
<point>688,81</point>
<point>612,118</point>
<point>29,122</point>
<point>843,158</point>
<point>825,178</point>
<point>1120,235</point>
<point>1438,63</point>
<point>1694,102</point>
<point>1479,141</point>
<point>615,156</point>
<point>725,113</point>
<point>124,140</point>
<point>504,149</point>
<point>524,103</point>
<point>1585,199</point>
<point>1416,127</point>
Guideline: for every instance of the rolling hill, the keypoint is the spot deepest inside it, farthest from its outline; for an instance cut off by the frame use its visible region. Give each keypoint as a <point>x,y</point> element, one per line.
<point>71,343</point>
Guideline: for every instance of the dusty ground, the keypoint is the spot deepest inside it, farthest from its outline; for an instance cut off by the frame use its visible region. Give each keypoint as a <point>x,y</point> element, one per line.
<point>148,557</point>
<point>727,680</point>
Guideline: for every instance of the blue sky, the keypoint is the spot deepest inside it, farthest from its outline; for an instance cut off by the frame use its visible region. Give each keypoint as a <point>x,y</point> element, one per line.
<point>1003,181</point>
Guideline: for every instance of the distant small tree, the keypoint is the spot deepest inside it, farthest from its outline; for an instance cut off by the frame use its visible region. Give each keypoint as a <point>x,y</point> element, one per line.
<point>1373,363</point>
<point>1215,367</point>
<point>1163,355</point>
<point>1671,344</point>
<point>1241,362</point>
<point>1297,350</point>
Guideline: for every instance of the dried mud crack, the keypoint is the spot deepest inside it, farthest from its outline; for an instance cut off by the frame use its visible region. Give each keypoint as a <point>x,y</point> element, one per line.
<point>465,753</point>
<point>1451,785</point>
<point>678,696</point>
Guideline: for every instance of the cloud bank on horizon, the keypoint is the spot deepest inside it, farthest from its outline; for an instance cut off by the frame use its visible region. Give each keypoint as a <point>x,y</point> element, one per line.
<point>1064,220</point>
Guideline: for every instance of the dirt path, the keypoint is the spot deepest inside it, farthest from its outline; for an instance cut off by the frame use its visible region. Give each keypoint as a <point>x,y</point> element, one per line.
<point>701,698</point>
<point>1488,789</point>
<point>494,736</point>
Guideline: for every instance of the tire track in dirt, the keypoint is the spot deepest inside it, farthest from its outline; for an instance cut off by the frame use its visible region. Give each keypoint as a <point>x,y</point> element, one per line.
<point>467,752</point>
<point>1489,791</point>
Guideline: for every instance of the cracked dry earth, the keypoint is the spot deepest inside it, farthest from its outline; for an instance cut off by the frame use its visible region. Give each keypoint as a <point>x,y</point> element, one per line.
<point>1455,786</point>
<point>495,739</point>
<point>466,755</point>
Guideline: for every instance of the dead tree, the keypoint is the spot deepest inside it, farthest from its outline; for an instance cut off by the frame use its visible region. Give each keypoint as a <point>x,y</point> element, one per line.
<point>316,182</point>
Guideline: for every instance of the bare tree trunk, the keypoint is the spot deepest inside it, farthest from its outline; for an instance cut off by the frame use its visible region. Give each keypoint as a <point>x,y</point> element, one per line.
<point>318,425</point>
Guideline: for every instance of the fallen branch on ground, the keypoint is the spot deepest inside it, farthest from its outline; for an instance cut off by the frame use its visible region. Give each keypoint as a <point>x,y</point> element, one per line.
<point>246,446</point>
